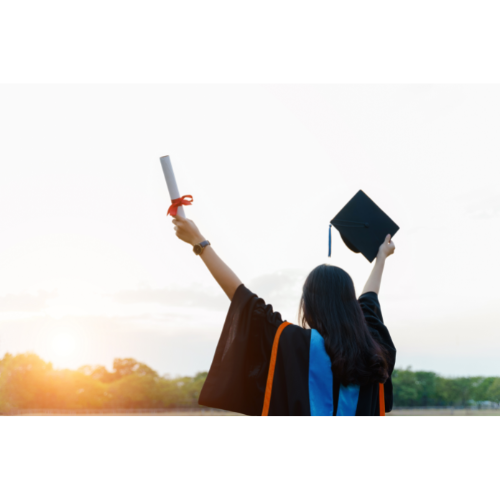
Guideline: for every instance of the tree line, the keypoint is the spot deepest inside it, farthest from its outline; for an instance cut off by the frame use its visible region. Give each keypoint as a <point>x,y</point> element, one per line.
<point>423,388</point>
<point>28,382</point>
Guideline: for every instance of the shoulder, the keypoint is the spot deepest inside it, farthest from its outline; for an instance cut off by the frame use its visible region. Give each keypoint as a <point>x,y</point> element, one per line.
<point>370,305</point>
<point>369,297</point>
<point>242,295</point>
<point>261,313</point>
<point>294,342</point>
<point>296,331</point>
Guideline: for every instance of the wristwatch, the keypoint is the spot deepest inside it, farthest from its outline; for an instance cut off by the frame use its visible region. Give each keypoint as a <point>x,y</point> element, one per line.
<point>198,249</point>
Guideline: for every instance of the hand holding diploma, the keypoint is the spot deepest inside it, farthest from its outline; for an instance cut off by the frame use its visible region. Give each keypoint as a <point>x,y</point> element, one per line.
<point>186,230</point>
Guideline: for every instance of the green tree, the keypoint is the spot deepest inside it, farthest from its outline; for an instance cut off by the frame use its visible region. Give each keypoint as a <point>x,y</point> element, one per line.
<point>97,372</point>
<point>493,392</point>
<point>481,389</point>
<point>426,388</point>
<point>127,366</point>
<point>23,381</point>
<point>405,388</point>
<point>28,382</point>
<point>68,389</point>
<point>457,391</point>
<point>135,391</point>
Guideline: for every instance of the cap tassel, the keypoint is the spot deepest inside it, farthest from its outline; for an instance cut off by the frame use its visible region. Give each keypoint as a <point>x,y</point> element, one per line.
<point>330,241</point>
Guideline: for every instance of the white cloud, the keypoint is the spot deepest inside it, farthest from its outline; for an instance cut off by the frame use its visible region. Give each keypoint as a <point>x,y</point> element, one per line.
<point>480,204</point>
<point>174,296</point>
<point>26,302</point>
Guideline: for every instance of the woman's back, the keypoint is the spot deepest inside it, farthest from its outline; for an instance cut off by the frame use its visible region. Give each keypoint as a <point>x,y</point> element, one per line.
<point>264,366</point>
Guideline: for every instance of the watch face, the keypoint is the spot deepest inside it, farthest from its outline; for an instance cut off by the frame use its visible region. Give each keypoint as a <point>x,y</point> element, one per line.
<point>197,249</point>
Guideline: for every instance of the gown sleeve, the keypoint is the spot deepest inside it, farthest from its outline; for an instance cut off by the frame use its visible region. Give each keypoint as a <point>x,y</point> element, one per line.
<point>370,306</point>
<point>237,377</point>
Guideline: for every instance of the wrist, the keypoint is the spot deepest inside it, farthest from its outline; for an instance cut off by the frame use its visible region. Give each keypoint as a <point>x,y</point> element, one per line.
<point>199,248</point>
<point>196,240</point>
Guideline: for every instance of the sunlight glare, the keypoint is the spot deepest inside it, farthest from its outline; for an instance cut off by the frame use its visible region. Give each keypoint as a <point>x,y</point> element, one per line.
<point>63,344</point>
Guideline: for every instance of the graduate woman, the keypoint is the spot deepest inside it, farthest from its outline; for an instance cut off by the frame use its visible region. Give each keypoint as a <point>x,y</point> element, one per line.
<point>338,361</point>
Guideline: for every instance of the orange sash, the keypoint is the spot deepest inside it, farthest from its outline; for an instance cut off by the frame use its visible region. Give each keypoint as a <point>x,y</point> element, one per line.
<point>272,366</point>
<point>381,399</point>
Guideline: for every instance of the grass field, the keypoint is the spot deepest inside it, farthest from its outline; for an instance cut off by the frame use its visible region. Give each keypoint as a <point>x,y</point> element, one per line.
<point>446,412</point>
<point>209,412</point>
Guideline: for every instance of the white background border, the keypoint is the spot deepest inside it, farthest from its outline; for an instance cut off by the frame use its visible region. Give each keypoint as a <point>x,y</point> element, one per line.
<point>222,41</point>
<point>256,42</point>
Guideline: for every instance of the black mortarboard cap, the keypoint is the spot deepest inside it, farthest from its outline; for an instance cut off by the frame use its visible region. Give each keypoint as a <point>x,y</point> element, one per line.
<point>363,225</point>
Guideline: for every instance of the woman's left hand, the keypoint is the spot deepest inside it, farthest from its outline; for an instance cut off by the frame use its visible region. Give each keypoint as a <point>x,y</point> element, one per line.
<point>387,248</point>
<point>186,230</point>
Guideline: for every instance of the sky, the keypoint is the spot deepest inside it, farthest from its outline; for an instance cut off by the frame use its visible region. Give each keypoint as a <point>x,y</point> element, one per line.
<point>91,269</point>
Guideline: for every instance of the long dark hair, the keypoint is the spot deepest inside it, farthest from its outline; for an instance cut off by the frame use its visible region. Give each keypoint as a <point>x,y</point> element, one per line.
<point>329,305</point>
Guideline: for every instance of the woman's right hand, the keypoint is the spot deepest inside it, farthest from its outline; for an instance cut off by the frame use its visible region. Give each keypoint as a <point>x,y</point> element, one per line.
<point>387,248</point>
<point>186,230</point>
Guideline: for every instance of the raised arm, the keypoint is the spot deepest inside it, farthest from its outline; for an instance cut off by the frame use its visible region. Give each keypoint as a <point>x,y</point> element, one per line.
<point>186,230</point>
<point>373,283</point>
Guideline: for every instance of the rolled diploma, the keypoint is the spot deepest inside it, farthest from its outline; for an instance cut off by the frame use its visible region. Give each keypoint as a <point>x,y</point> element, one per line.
<point>168,172</point>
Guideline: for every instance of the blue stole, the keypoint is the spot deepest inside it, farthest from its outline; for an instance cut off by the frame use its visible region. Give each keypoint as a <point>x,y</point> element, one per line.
<point>321,383</point>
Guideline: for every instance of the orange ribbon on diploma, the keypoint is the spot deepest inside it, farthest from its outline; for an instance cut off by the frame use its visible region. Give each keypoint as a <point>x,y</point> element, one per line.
<point>172,210</point>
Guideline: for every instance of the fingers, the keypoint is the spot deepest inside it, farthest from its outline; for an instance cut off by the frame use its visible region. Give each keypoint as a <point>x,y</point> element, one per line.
<point>178,222</point>
<point>180,226</point>
<point>179,219</point>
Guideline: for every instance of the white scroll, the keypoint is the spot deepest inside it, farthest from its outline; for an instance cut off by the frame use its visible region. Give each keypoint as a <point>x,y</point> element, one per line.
<point>173,190</point>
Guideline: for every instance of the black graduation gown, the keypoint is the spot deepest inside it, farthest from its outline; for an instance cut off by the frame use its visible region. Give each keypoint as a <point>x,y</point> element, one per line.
<point>239,373</point>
